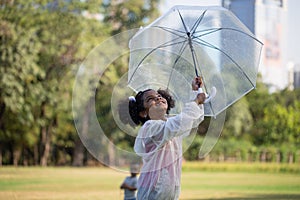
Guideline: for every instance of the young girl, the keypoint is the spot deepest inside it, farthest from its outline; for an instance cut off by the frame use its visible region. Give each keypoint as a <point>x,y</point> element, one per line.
<point>159,140</point>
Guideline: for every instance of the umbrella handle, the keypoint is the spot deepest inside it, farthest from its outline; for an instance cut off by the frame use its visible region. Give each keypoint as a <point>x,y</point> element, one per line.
<point>208,97</point>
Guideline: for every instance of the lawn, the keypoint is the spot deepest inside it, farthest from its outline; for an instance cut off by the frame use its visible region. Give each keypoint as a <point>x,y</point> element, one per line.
<point>66,183</point>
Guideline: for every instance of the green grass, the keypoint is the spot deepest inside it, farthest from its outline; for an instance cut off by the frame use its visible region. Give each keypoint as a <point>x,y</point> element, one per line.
<point>199,181</point>
<point>242,167</point>
<point>239,185</point>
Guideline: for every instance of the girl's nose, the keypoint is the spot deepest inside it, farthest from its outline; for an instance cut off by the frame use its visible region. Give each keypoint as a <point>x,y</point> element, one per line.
<point>158,98</point>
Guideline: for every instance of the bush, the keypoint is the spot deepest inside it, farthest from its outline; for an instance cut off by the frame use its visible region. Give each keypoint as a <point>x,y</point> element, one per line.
<point>234,150</point>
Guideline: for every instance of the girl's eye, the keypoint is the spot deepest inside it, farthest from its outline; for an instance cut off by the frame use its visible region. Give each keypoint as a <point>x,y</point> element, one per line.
<point>150,99</point>
<point>153,98</point>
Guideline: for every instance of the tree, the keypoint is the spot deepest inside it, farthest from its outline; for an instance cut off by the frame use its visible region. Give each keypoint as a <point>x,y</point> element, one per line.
<point>122,16</point>
<point>42,42</point>
<point>125,15</point>
<point>19,77</point>
<point>239,120</point>
<point>259,100</point>
<point>282,119</point>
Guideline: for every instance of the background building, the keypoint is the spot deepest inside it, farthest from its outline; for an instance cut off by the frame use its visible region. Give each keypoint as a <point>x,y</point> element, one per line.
<point>274,23</point>
<point>244,10</point>
<point>296,76</point>
<point>271,28</point>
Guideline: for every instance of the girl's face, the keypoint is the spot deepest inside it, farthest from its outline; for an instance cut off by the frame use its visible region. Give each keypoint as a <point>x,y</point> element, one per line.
<point>154,103</point>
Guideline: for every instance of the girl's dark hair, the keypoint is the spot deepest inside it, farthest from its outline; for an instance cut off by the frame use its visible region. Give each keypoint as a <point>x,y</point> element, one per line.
<point>136,106</point>
<point>165,94</point>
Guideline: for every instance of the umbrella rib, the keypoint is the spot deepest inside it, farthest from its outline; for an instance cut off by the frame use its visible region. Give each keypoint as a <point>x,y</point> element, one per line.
<point>211,30</point>
<point>166,44</point>
<point>198,21</point>
<point>232,29</point>
<point>216,48</point>
<point>183,23</point>
<point>183,47</point>
<point>190,41</point>
<point>171,30</point>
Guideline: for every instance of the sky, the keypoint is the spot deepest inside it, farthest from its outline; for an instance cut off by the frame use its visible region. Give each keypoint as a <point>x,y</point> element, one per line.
<point>167,4</point>
<point>293,32</point>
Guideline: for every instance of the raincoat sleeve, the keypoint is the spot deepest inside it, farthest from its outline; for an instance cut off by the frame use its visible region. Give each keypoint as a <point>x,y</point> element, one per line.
<point>189,118</point>
<point>155,133</point>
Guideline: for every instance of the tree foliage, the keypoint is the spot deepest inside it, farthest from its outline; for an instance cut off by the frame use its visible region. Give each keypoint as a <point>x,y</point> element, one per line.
<point>42,44</point>
<point>124,14</point>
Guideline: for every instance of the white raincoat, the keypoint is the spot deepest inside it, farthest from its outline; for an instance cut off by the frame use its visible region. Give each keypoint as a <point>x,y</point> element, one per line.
<point>159,143</point>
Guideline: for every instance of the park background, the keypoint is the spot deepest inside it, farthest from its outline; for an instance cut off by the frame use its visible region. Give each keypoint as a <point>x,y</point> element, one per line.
<point>42,46</point>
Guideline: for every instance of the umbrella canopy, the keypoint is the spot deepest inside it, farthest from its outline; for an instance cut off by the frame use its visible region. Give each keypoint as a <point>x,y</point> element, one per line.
<point>191,41</point>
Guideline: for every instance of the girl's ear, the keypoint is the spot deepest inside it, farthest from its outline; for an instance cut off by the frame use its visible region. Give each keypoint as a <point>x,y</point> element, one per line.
<point>143,114</point>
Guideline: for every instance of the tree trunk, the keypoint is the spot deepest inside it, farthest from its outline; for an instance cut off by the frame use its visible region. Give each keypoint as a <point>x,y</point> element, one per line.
<point>16,156</point>
<point>111,155</point>
<point>2,109</point>
<point>48,138</point>
<point>45,146</point>
<point>263,157</point>
<point>290,158</point>
<point>1,155</point>
<point>25,157</point>
<point>78,156</point>
<point>36,154</point>
<point>44,161</point>
<point>46,135</point>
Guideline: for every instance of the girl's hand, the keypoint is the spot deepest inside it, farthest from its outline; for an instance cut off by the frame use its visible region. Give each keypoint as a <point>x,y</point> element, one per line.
<point>197,83</point>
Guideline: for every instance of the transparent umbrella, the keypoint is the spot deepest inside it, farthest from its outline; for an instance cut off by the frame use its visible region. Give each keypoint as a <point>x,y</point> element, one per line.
<point>190,41</point>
